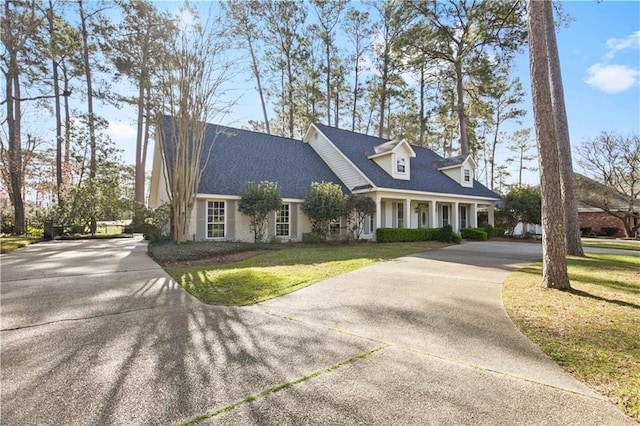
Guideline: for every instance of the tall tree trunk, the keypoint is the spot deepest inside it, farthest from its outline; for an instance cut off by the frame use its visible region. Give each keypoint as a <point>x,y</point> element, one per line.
<point>256,73</point>
<point>571,220</point>
<point>422,88</point>
<point>14,115</point>
<point>138,196</point>
<point>328,54</point>
<point>464,141</point>
<point>355,97</point>
<point>91,118</point>
<point>56,93</point>
<point>554,262</point>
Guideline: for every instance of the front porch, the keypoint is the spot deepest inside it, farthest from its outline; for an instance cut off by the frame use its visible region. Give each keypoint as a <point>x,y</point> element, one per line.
<point>422,212</point>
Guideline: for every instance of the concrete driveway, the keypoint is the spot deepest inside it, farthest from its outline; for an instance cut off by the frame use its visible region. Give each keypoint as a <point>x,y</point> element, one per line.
<point>94,332</point>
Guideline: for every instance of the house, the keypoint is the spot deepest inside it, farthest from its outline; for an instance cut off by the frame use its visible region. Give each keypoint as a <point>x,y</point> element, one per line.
<point>593,197</point>
<point>412,187</point>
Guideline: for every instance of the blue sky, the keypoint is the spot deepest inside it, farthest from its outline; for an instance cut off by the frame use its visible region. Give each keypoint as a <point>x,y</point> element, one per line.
<point>600,59</point>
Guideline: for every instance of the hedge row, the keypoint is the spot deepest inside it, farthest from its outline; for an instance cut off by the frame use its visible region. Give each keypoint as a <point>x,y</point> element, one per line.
<point>405,235</point>
<point>474,234</point>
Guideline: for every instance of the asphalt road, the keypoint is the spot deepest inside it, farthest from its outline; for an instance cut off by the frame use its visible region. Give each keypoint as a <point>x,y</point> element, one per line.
<point>94,332</point>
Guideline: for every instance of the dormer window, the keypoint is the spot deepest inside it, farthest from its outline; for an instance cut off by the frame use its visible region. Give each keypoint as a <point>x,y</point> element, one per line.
<point>467,175</point>
<point>400,165</point>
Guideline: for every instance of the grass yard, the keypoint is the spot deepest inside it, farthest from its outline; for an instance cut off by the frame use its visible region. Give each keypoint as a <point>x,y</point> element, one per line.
<point>613,244</point>
<point>8,244</point>
<point>274,273</point>
<point>593,331</point>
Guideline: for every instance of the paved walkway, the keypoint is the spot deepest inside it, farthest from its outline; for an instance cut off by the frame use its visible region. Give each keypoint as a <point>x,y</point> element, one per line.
<point>94,332</point>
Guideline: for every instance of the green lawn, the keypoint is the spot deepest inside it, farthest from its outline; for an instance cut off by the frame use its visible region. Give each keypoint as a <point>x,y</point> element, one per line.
<point>593,331</point>
<point>613,244</point>
<point>8,244</point>
<point>275,273</point>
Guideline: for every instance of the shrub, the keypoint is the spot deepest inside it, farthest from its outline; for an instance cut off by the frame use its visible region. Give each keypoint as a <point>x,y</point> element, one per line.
<point>474,234</point>
<point>359,208</point>
<point>405,235</point>
<point>498,231</point>
<point>586,231</point>
<point>610,231</point>
<point>456,238</point>
<point>258,200</point>
<point>324,202</point>
<point>445,234</point>
<point>489,230</point>
<point>310,237</point>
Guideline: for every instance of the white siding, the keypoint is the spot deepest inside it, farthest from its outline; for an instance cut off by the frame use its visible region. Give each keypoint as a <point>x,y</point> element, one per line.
<point>339,164</point>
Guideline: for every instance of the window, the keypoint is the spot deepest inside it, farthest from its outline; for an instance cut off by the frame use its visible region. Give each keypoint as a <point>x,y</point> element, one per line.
<point>445,215</point>
<point>463,217</point>
<point>400,165</point>
<point>334,227</point>
<point>400,215</point>
<point>282,221</point>
<point>215,219</point>
<point>467,175</point>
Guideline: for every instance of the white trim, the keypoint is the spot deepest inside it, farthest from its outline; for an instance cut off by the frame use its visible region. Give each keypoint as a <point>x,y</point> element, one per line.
<point>362,175</point>
<point>237,197</point>
<point>288,222</point>
<point>224,223</point>
<point>426,194</point>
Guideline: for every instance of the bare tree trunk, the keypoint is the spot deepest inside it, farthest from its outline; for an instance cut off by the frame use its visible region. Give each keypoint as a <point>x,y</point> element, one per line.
<point>56,93</point>
<point>91,118</point>
<point>554,262</point>
<point>328,53</point>
<point>138,196</point>
<point>464,141</point>
<point>571,220</point>
<point>422,119</point>
<point>256,73</point>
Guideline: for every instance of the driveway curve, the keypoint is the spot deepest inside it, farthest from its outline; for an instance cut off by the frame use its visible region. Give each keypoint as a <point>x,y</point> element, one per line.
<point>94,332</point>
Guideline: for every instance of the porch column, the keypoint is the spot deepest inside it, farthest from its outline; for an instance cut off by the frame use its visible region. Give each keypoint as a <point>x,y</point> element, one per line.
<point>473,220</point>
<point>379,213</point>
<point>408,213</point>
<point>455,213</point>
<point>491,216</point>
<point>433,214</point>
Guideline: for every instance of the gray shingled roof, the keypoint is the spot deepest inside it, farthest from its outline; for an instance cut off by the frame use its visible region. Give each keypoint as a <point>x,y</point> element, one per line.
<point>449,162</point>
<point>239,156</point>
<point>424,176</point>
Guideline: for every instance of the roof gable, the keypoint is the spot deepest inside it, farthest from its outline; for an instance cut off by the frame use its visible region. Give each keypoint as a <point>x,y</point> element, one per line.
<point>425,176</point>
<point>238,156</point>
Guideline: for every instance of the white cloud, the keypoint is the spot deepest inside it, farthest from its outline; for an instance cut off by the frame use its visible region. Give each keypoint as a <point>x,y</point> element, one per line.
<point>121,132</point>
<point>617,44</point>
<point>611,78</point>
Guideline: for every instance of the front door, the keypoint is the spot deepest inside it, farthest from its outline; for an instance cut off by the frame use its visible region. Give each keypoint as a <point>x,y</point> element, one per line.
<point>423,217</point>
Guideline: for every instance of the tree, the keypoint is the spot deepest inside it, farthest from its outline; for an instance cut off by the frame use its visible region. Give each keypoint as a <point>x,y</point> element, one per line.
<point>554,262</point>
<point>19,25</point>
<point>521,204</point>
<point>358,30</point>
<point>504,98</point>
<point>324,202</point>
<point>570,203</point>
<point>328,13</point>
<point>191,82</point>
<point>613,161</point>
<point>393,21</point>
<point>258,200</point>
<point>359,208</point>
<point>520,146</point>
<point>462,33</point>
<point>283,27</point>
<point>246,30</point>
<point>88,18</point>
<point>137,47</point>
